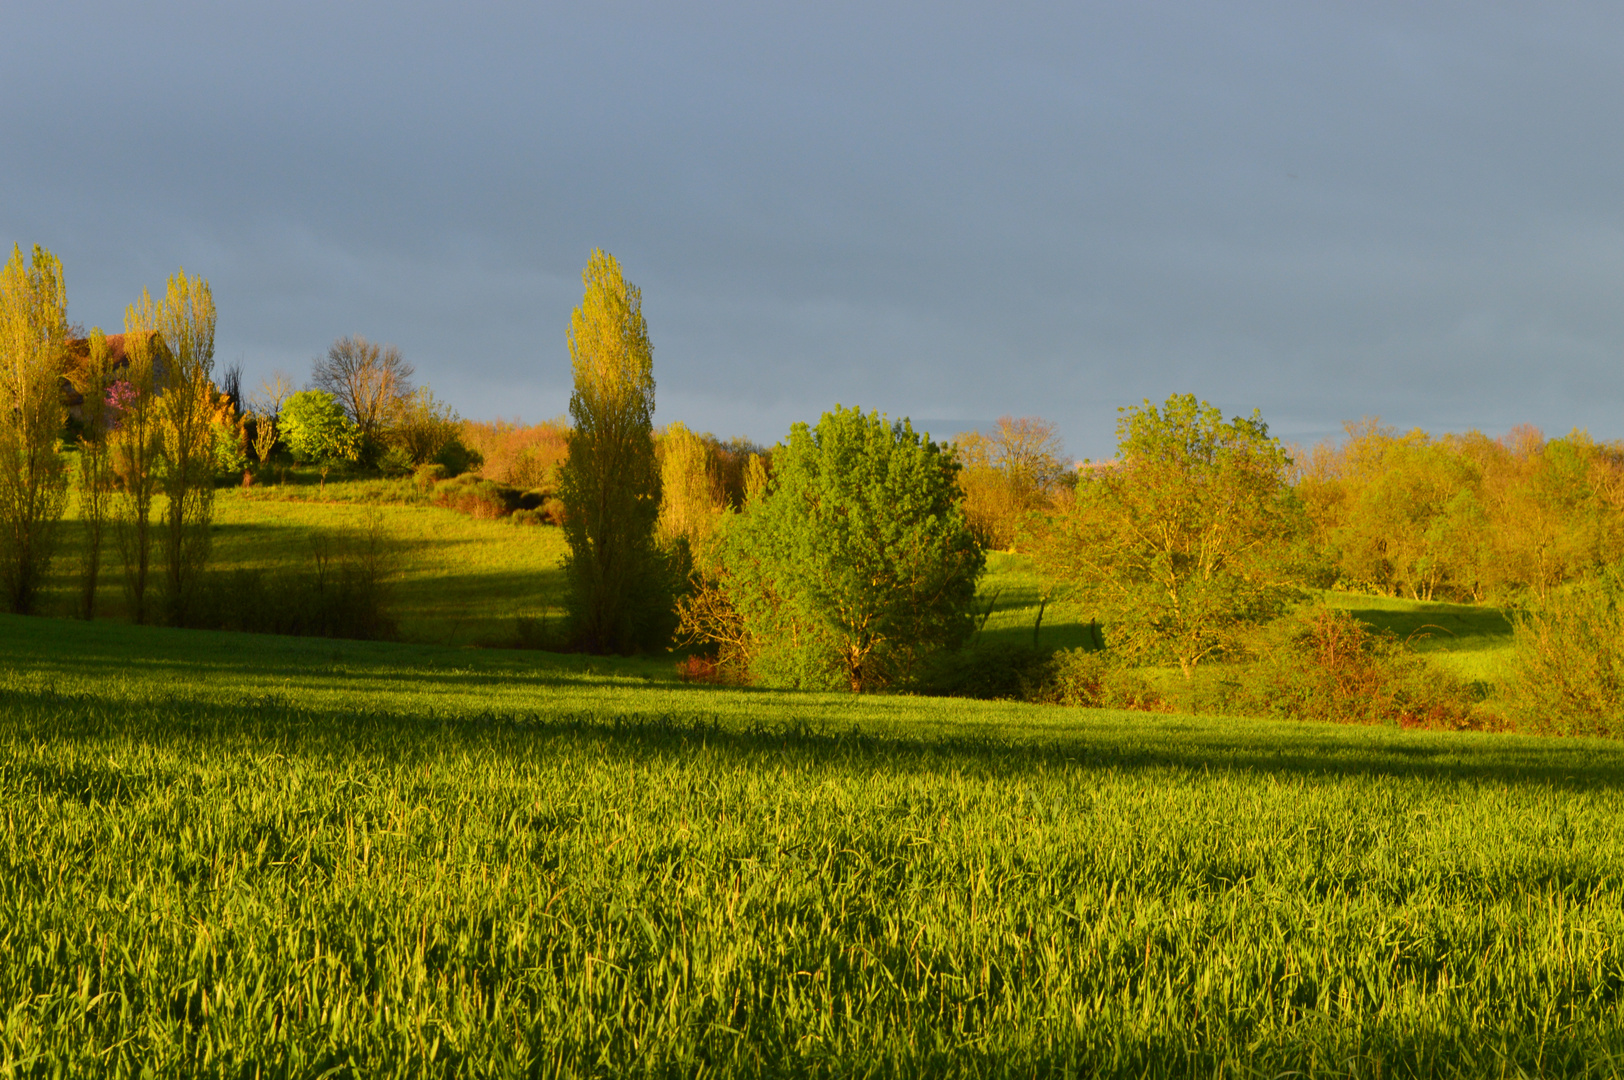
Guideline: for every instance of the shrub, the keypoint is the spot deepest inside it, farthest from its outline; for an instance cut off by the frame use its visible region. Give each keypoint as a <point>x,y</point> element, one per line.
<point>702,669</point>
<point>478,498</point>
<point>422,425</point>
<point>457,458</point>
<point>1098,679</point>
<point>1567,669</point>
<point>1323,664</point>
<point>513,453</point>
<point>395,463</point>
<point>428,475</point>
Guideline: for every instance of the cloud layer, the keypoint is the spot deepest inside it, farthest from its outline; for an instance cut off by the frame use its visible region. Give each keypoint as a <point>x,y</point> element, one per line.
<point>947,212</point>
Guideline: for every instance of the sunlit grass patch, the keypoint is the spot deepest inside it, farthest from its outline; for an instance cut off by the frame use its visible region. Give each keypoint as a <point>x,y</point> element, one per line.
<point>290,856</point>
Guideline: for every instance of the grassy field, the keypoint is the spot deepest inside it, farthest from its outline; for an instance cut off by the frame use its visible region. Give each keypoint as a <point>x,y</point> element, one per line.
<point>238,856</point>
<point>459,581</point>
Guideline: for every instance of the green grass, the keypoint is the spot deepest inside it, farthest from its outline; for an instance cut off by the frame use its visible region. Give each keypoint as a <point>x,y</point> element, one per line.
<point>237,856</point>
<point>1470,641</point>
<point>460,581</point>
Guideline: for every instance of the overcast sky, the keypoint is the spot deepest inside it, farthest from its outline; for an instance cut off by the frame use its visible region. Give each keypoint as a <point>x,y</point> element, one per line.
<point>1323,210</point>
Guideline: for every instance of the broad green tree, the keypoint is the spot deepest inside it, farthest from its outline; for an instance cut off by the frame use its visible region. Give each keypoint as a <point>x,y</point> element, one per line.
<point>856,562</point>
<point>318,431</point>
<point>33,474</point>
<point>1187,537</point>
<point>619,594</point>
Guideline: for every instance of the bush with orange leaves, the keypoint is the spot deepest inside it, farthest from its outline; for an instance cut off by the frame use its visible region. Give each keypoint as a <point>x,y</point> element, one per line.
<point>526,456</point>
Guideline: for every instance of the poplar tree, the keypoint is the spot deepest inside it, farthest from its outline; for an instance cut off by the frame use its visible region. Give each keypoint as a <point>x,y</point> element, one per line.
<point>33,475</point>
<point>137,449</point>
<point>185,322</point>
<point>619,597</point>
<point>93,379</point>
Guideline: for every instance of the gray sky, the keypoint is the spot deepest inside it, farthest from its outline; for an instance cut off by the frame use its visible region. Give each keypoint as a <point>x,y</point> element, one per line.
<point>950,212</point>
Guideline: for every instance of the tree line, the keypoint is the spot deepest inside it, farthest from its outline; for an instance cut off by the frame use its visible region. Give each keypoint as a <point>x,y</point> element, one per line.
<point>847,555</point>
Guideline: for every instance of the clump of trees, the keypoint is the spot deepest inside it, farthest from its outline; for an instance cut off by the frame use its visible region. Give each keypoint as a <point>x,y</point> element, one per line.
<point>1017,469</point>
<point>1464,517</point>
<point>150,427</point>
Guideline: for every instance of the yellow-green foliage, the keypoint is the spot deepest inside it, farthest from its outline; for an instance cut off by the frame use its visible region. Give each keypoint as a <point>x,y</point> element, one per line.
<point>1005,474</point>
<point>33,479</point>
<point>1567,671</point>
<point>1465,517</point>
<point>691,496</point>
<point>619,594</point>
<point>306,857</point>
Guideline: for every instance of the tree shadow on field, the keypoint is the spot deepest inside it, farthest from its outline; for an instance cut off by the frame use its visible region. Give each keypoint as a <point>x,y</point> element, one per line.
<point>1571,765</point>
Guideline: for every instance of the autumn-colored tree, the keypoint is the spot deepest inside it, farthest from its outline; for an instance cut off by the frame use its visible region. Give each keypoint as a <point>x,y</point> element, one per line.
<point>33,474</point>
<point>1009,473</point>
<point>1187,537</point>
<point>691,495</point>
<point>619,592</point>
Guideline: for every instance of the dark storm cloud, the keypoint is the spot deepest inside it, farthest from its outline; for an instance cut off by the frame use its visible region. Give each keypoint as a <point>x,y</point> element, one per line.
<point>952,212</point>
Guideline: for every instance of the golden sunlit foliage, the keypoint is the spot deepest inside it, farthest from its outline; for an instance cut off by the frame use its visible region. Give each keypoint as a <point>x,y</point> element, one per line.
<point>1464,517</point>
<point>610,484</point>
<point>1006,474</point>
<point>33,478</point>
<point>527,456</point>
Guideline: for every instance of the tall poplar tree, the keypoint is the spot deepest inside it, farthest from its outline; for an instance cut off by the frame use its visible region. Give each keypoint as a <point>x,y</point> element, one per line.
<point>33,475</point>
<point>93,379</point>
<point>136,432</point>
<point>619,597</point>
<point>185,322</point>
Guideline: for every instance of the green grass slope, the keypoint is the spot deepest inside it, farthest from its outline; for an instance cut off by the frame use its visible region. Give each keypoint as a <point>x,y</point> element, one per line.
<point>234,856</point>
<point>458,581</point>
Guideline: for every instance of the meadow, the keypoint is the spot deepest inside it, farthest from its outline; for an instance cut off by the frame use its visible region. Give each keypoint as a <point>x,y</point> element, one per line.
<point>251,856</point>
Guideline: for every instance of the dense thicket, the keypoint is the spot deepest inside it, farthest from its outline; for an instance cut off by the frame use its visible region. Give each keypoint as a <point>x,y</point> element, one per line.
<point>1464,517</point>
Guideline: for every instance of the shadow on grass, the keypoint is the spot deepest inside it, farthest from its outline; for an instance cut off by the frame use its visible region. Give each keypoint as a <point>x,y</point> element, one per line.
<point>1447,626</point>
<point>1109,742</point>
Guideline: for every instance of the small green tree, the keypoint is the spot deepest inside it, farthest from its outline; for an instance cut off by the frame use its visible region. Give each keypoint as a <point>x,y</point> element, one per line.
<point>1188,536</point>
<point>856,563</point>
<point>33,475</point>
<point>318,431</point>
<point>619,582</point>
